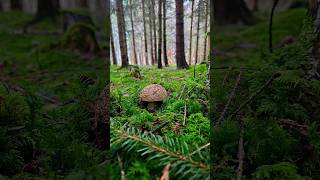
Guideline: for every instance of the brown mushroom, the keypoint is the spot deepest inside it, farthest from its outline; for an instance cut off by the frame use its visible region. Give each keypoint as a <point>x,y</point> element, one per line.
<point>151,96</point>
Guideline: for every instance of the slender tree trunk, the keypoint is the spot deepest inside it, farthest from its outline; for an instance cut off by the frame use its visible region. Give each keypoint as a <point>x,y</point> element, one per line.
<point>180,52</point>
<point>198,32</point>
<point>154,30</point>
<point>275,2</point>
<point>165,56</point>
<point>145,33</point>
<point>135,61</point>
<point>160,35</point>
<point>151,34</point>
<point>142,62</point>
<point>122,34</point>
<point>114,56</point>
<point>191,34</point>
<point>205,31</point>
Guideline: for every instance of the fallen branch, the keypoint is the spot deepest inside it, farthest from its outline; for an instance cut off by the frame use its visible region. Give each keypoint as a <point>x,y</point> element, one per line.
<point>227,75</point>
<point>252,97</point>
<point>51,100</point>
<point>293,125</point>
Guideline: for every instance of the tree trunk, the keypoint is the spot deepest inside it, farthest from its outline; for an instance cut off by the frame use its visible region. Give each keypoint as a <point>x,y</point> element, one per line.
<point>16,5</point>
<point>83,3</point>
<point>198,32</point>
<point>114,56</point>
<point>255,5</point>
<point>122,34</point>
<point>180,53</point>
<point>191,34</point>
<point>160,34</point>
<point>154,30</point>
<point>212,108</point>
<point>48,8</point>
<point>133,34</point>
<point>232,12</point>
<point>151,34</point>
<point>205,31</point>
<point>165,56</point>
<point>145,33</point>
<point>102,113</point>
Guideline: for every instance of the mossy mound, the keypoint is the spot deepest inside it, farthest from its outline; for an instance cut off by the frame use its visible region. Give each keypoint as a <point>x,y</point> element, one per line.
<point>81,38</point>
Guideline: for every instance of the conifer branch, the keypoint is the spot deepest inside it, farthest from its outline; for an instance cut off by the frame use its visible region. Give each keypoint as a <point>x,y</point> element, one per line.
<point>199,149</point>
<point>176,155</point>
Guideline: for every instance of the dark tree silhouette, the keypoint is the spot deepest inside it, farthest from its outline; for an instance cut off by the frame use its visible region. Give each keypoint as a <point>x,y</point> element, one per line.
<point>122,34</point>
<point>232,12</point>
<point>48,8</point>
<point>165,56</point>
<point>16,4</point>
<point>160,33</point>
<point>180,52</point>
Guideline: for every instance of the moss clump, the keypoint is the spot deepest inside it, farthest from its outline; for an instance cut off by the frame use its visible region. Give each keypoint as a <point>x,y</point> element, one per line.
<point>81,38</point>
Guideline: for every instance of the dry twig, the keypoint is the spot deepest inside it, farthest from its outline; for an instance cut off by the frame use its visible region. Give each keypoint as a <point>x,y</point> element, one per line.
<point>232,94</point>
<point>252,97</point>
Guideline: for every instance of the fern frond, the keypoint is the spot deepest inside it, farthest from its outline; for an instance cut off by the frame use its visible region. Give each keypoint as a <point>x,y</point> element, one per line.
<point>186,161</point>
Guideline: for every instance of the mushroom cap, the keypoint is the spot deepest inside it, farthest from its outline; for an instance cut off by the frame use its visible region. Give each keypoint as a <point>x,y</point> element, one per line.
<point>153,93</point>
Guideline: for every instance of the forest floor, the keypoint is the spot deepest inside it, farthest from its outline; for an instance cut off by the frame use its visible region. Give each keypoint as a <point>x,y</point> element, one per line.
<point>46,121</point>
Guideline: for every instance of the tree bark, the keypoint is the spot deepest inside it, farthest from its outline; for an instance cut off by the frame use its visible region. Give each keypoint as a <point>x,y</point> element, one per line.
<point>48,8</point>
<point>180,52</point>
<point>198,32</point>
<point>165,56</point>
<point>135,61</point>
<point>16,5</point>
<point>205,31</point>
<point>191,35</point>
<point>102,113</point>
<point>160,35</point>
<point>154,30</point>
<point>151,33</point>
<point>122,34</point>
<point>212,109</point>
<point>114,56</point>
<point>255,5</point>
<point>83,3</point>
<point>145,33</point>
<point>232,12</point>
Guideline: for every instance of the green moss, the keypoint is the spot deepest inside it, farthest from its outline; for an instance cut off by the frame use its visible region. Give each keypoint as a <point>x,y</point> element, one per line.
<point>79,36</point>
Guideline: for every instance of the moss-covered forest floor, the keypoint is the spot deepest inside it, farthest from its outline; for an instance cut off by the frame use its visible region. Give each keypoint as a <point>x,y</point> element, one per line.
<point>46,122</point>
